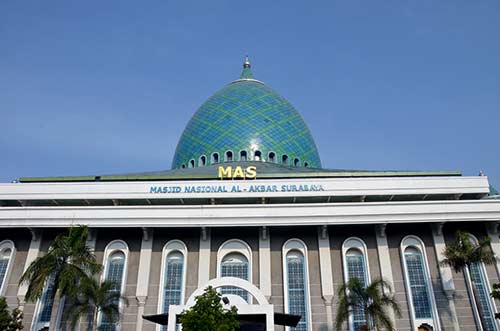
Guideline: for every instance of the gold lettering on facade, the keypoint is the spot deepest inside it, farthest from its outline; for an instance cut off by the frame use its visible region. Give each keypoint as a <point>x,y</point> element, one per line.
<point>238,172</point>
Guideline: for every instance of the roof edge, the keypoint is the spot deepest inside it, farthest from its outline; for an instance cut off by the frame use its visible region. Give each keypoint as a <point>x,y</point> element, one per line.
<point>276,175</point>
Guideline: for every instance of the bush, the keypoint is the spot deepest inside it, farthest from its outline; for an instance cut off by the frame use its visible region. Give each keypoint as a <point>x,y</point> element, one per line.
<point>10,320</point>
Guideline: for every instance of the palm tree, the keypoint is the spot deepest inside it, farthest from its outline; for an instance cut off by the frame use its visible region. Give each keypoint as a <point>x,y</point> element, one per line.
<point>462,255</point>
<point>93,300</point>
<point>67,261</point>
<point>372,301</point>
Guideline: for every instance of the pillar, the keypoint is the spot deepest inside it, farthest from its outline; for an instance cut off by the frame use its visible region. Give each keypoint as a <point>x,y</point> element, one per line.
<point>384,260</point>
<point>265,262</point>
<point>204,257</point>
<point>141,293</point>
<point>325,267</point>
<point>492,229</point>
<point>445,272</point>
<point>33,251</point>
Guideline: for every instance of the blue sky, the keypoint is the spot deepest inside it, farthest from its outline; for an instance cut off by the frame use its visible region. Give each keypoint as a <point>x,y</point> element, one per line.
<point>104,87</point>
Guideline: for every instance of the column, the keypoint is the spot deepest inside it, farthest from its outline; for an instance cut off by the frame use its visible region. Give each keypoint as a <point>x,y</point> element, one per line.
<point>34,249</point>
<point>265,262</point>
<point>445,272</point>
<point>91,243</point>
<point>204,257</point>
<point>141,293</point>
<point>492,229</point>
<point>91,239</point>
<point>384,260</point>
<point>325,267</point>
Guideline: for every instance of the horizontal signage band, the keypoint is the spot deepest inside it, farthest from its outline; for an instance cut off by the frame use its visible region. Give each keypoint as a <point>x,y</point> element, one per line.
<point>235,188</point>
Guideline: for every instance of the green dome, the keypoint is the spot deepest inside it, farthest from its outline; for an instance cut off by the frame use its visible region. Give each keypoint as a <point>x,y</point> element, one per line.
<point>246,120</point>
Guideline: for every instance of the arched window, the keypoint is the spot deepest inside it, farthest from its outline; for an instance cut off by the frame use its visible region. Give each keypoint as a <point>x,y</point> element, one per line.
<point>202,161</point>
<point>272,157</point>
<point>6,256</point>
<point>215,158</point>
<point>296,282</point>
<point>479,281</point>
<point>115,270</point>
<point>191,163</point>
<point>257,156</point>
<point>296,162</point>
<point>284,159</point>
<point>306,164</point>
<point>183,166</point>
<point>44,306</point>
<point>243,155</point>
<point>234,265</point>
<point>235,260</point>
<point>229,156</point>
<point>356,266</point>
<point>173,276</point>
<point>418,283</point>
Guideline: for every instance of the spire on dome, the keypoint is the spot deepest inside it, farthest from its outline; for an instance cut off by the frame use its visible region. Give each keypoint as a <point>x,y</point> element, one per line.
<point>247,72</point>
<point>247,62</point>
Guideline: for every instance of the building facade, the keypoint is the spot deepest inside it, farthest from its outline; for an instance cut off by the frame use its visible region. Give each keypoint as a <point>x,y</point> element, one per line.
<point>247,197</point>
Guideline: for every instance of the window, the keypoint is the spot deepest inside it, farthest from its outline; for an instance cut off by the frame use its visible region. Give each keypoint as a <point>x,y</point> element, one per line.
<point>418,282</point>
<point>215,158</point>
<point>296,282</point>
<point>418,285</point>
<point>115,263</point>
<point>183,166</point>
<point>306,164</point>
<point>243,155</point>
<point>284,159</point>
<point>44,306</point>
<point>272,157</point>
<point>202,161</point>
<point>173,276</point>
<point>235,260</point>
<point>355,266</point>
<point>191,163</point>
<point>6,256</point>
<point>235,265</point>
<point>257,156</point>
<point>482,290</point>
<point>296,162</point>
<point>229,156</point>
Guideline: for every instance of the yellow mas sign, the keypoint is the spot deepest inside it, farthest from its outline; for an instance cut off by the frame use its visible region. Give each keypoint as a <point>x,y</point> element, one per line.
<point>238,172</point>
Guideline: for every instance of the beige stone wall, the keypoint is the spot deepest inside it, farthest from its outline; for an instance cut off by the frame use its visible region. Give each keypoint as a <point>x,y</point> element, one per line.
<point>278,236</point>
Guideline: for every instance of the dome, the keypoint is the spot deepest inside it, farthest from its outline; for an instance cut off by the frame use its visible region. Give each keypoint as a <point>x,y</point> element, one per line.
<point>246,120</point>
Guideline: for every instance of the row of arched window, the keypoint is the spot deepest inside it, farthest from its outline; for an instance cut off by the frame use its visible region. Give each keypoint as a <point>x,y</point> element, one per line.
<point>234,258</point>
<point>229,156</point>
<point>419,289</point>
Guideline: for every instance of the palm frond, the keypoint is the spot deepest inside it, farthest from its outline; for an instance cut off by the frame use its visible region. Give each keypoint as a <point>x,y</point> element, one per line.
<point>372,299</point>
<point>463,252</point>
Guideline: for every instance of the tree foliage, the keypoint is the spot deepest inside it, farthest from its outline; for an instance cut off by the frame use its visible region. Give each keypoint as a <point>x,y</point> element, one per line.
<point>495,294</point>
<point>95,298</point>
<point>208,314</point>
<point>372,300</point>
<point>464,252</point>
<point>67,260</point>
<point>10,320</point>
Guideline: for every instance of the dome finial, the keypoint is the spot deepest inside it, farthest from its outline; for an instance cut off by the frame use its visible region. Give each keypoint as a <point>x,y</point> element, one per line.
<point>247,73</point>
<point>247,64</point>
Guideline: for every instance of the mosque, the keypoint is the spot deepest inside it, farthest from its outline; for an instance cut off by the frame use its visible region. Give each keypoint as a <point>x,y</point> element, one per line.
<point>248,208</point>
